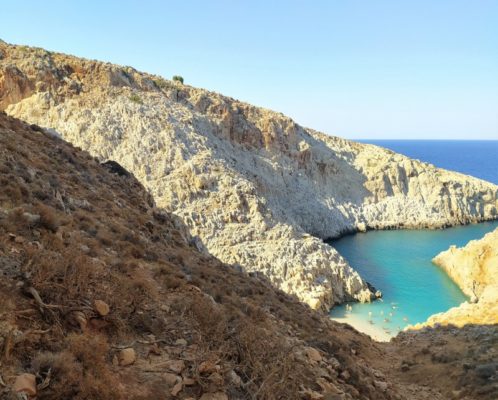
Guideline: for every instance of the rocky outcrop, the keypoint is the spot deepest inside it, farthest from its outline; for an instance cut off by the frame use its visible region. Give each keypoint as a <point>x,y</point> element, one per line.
<point>254,188</point>
<point>474,268</point>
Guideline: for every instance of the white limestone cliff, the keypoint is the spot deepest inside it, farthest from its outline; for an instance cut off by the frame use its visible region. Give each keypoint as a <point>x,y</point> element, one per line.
<point>255,189</point>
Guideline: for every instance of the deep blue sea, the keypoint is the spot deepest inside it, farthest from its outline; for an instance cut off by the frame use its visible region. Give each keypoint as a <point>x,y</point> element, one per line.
<point>399,262</point>
<point>478,158</point>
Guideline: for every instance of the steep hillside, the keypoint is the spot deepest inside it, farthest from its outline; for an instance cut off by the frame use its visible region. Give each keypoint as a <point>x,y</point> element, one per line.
<point>254,188</point>
<point>474,268</point>
<point>102,297</point>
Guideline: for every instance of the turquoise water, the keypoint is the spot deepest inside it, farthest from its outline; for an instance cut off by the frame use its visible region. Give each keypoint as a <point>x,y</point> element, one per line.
<point>399,264</point>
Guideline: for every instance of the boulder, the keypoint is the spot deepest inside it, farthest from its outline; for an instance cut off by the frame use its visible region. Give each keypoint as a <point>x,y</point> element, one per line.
<point>171,379</point>
<point>313,354</point>
<point>101,307</point>
<point>25,383</point>
<point>127,357</point>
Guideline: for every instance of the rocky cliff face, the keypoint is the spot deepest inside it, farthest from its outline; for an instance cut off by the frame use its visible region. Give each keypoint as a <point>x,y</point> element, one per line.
<point>254,188</point>
<point>474,268</point>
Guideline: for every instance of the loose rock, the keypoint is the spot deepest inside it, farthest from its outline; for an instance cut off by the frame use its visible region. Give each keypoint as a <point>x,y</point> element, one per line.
<point>175,365</point>
<point>127,357</point>
<point>214,396</point>
<point>25,383</point>
<point>101,307</point>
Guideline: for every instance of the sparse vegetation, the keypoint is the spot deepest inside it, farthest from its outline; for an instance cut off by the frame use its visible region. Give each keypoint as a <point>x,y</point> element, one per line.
<point>135,98</point>
<point>178,78</point>
<point>162,83</point>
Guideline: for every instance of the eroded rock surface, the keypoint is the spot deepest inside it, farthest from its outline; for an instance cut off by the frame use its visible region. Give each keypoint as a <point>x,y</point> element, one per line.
<point>254,188</point>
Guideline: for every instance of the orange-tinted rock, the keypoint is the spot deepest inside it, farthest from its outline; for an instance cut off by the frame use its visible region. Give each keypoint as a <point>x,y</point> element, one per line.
<point>127,357</point>
<point>25,383</point>
<point>101,307</point>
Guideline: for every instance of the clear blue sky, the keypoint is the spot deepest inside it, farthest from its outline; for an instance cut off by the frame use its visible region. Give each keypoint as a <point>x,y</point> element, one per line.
<point>358,69</point>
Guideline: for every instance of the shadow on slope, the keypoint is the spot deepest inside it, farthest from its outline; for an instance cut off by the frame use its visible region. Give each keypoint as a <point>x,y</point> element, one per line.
<point>461,362</point>
<point>73,234</point>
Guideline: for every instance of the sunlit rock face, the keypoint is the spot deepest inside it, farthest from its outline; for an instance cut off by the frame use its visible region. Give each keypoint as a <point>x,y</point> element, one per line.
<point>474,268</point>
<point>255,189</point>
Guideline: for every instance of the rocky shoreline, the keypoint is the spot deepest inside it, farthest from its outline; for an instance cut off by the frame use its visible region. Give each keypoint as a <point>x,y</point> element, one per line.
<point>474,268</point>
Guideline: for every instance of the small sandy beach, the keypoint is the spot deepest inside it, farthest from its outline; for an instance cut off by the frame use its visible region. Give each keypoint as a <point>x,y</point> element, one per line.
<point>375,332</point>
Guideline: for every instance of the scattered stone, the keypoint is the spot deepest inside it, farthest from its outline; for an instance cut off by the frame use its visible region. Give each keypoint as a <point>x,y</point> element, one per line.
<point>334,363</point>
<point>327,387</point>
<point>25,383</point>
<point>312,395</point>
<point>208,367</point>
<point>216,379</point>
<point>80,319</point>
<point>165,308</point>
<point>31,218</point>
<point>127,356</point>
<point>188,381</point>
<point>313,354</point>
<point>171,379</point>
<point>345,375</point>
<point>234,378</point>
<point>101,307</point>
<point>19,239</point>
<point>381,385</point>
<point>175,365</point>
<point>181,342</point>
<point>214,396</point>
<point>177,389</point>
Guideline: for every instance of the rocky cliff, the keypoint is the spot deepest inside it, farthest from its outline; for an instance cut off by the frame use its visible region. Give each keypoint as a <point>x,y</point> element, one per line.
<point>474,268</point>
<point>254,188</point>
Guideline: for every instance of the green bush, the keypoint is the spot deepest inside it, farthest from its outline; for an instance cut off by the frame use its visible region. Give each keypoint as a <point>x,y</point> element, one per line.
<point>136,98</point>
<point>162,83</point>
<point>178,78</point>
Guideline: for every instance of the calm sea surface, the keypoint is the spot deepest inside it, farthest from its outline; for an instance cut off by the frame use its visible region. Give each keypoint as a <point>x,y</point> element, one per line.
<point>399,262</point>
<point>478,158</point>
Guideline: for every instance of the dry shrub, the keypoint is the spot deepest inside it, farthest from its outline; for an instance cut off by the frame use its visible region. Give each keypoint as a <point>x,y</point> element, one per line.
<point>11,193</point>
<point>63,276</point>
<point>48,217</point>
<point>105,237</point>
<point>267,362</point>
<point>80,371</point>
<point>132,251</point>
<point>211,320</point>
<point>169,276</point>
<point>172,282</point>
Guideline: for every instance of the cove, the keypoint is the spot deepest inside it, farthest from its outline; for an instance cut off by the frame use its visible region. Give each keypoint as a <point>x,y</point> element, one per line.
<point>399,264</point>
